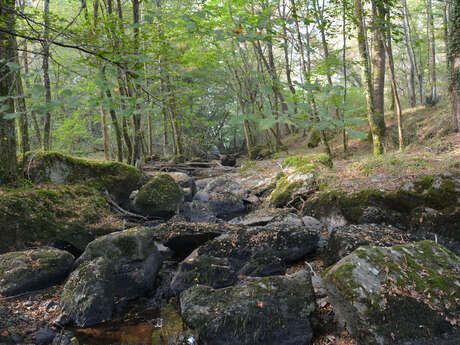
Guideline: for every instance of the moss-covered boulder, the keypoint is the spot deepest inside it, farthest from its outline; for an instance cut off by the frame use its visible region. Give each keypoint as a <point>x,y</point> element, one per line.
<point>243,251</point>
<point>345,239</point>
<point>390,295</point>
<point>33,269</point>
<point>428,203</point>
<point>127,263</point>
<point>266,216</point>
<point>33,216</point>
<point>87,297</point>
<point>270,311</point>
<point>117,178</point>
<point>299,180</point>
<point>161,197</point>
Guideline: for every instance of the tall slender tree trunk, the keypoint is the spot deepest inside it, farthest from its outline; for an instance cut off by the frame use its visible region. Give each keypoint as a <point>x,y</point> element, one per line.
<point>432,44</point>
<point>105,132</point>
<point>136,117</point>
<point>46,144</point>
<point>35,123</point>
<point>344,61</point>
<point>454,58</point>
<point>378,64</point>
<point>22,123</point>
<point>445,27</point>
<point>394,87</point>
<point>377,138</point>
<point>8,157</point>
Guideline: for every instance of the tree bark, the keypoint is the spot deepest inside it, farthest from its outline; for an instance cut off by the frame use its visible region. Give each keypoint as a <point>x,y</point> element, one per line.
<point>454,62</point>
<point>46,144</point>
<point>411,57</point>
<point>377,138</point>
<point>22,123</point>
<point>8,157</point>
<point>432,42</point>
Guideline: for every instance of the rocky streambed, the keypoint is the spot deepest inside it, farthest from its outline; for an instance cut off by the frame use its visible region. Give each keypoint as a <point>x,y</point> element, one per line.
<point>260,260</point>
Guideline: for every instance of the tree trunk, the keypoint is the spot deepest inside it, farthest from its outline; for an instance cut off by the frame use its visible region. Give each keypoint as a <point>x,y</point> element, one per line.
<point>394,86</point>
<point>377,138</point>
<point>8,157</point>
<point>22,123</point>
<point>454,57</point>
<point>432,42</point>
<point>410,53</point>
<point>37,130</point>
<point>105,132</point>
<point>46,144</point>
<point>344,61</point>
<point>378,64</point>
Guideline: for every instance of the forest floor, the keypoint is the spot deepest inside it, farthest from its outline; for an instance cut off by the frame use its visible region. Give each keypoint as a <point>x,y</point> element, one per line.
<point>431,147</point>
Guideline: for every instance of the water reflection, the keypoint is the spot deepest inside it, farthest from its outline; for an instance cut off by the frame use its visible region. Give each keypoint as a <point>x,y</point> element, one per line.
<point>160,327</point>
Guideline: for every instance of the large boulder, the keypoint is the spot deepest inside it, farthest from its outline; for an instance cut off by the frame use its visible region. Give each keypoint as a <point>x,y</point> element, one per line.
<point>87,297</point>
<point>33,269</point>
<point>392,295</point>
<point>270,311</point>
<point>34,216</point>
<point>255,251</point>
<point>127,262</point>
<point>269,216</point>
<point>161,197</point>
<point>345,239</point>
<point>117,178</point>
<point>184,237</point>
<point>186,182</point>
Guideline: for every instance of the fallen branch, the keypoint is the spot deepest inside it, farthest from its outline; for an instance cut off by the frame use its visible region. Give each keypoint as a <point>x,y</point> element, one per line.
<point>124,212</point>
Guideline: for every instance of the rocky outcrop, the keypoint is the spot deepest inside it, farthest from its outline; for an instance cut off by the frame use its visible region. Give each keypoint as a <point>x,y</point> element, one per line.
<point>161,197</point>
<point>33,269</point>
<point>254,251</point>
<point>117,178</point>
<point>270,311</point>
<point>123,264</point>
<point>397,294</point>
<point>38,215</point>
<point>269,216</point>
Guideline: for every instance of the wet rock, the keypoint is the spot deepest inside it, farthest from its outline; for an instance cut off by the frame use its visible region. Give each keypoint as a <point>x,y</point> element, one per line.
<point>406,292</point>
<point>33,269</point>
<point>160,197</point>
<point>246,248</point>
<point>65,338</point>
<point>44,336</point>
<point>184,237</point>
<point>122,265</point>
<point>271,311</point>
<point>345,239</point>
<point>117,178</point>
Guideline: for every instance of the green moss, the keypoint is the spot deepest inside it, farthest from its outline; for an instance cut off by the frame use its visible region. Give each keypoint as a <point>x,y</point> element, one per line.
<point>282,193</point>
<point>33,216</point>
<point>162,195</point>
<point>307,164</point>
<point>118,178</point>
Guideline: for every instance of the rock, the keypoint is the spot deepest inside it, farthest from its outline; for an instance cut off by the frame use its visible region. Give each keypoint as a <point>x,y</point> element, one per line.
<point>65,338</point>
<point>186,182</point>
<point>44,336</point>
<point>270,311</point>
<point>245,248</point>
<point>406,292</point>
<point>34,216</point>
<point>184,237</point>
<point>87,297</point>
<point>33,269</point>
<point>117,178</point>
<point>345,239</point>
<point>291,186</point>
<point>313,223</point>
<point>269,216</point>
<point>199,212</point>
<point>121,265</point>
<point>228,160</point>
<point>160,197</point>
<point>67,246</point>
<point>206,270</point>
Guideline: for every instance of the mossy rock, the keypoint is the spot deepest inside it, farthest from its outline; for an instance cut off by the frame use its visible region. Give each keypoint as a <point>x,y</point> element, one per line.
<point>270,311</point>
<point>117,178</point>
<point>33,216</point>
<point>405,292</point>
<point>33,269</point>
<point>161,196</point>
<point>259,152</point>
<point>290,186</point>
<point>314,139</point>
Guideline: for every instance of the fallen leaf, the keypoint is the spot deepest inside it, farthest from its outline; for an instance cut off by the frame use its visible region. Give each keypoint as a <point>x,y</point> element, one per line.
<point>260,304</point>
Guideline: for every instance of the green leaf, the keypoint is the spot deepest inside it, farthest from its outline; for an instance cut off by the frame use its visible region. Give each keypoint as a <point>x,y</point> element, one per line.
<point>356,134</point>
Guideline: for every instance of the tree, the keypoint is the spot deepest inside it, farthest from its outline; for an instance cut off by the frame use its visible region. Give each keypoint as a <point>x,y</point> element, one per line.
<point>7,123</point>
<point>46,144</point>
<point>454,56</point>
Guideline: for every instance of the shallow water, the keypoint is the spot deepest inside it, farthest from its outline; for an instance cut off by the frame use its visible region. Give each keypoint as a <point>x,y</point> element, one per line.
<point>152,327</point>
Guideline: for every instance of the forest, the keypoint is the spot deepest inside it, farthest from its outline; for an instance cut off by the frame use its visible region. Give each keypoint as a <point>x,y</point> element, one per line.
<point>228,172</point>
